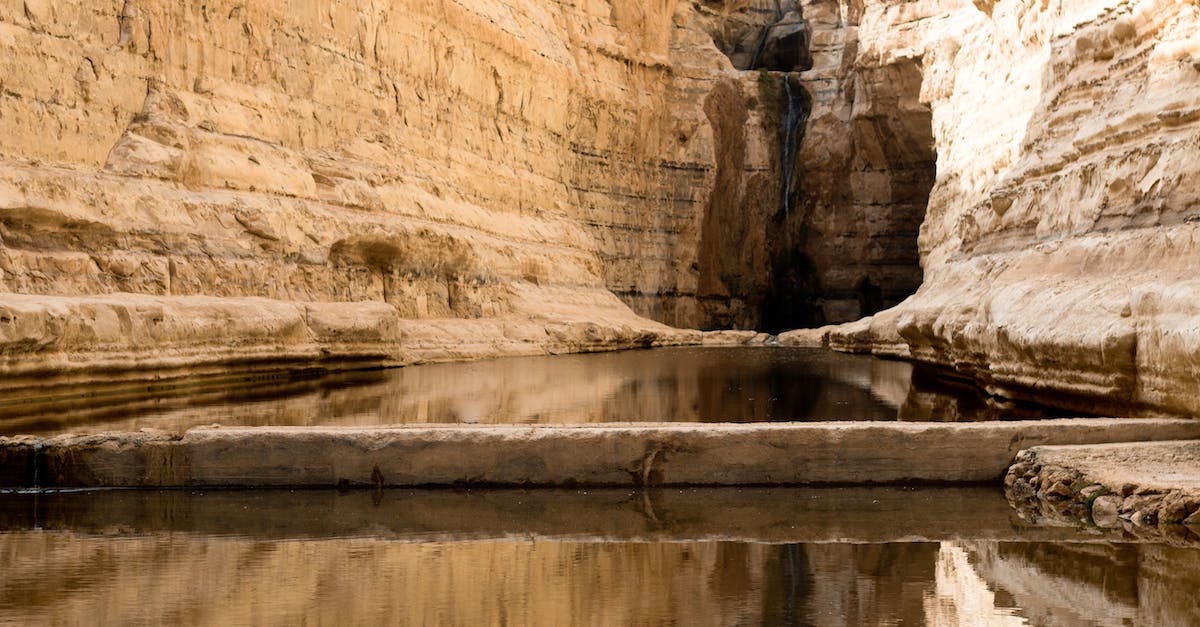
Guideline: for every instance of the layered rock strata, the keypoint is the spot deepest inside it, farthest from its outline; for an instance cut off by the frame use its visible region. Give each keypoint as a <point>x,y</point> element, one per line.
<point>403,181</point>
<point>1060,241</point>
<point>400,181</point>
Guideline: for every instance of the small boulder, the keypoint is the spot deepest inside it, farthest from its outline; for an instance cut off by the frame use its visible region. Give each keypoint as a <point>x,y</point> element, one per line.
<point>1106,510</point>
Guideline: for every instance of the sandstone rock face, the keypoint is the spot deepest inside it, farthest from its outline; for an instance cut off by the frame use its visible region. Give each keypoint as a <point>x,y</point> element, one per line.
<point>402,181</point>
<point>398,180</point>
<point>1062,234</point>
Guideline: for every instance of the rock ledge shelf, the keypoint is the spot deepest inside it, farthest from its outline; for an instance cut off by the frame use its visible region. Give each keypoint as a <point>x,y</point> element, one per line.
<point>621,454</point>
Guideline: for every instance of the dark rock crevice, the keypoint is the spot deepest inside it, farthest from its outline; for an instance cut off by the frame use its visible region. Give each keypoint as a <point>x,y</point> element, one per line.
<point>850,244</point>
<point>826,231</point>
<point>761,34</point>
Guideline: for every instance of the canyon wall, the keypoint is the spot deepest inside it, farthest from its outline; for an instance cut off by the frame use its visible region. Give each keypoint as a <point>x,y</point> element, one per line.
<point>1062,235</point>
<point>396,181</point>
<point>199,184</point>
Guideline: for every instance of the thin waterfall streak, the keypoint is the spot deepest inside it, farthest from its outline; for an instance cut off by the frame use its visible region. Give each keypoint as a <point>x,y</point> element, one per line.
<point>789,141</point>
<point>785,170</point>
<point>762,38</point>
<point>762,44</point>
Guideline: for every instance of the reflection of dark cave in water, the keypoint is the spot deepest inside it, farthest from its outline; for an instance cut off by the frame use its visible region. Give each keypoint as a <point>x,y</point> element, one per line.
<point>744,384</point>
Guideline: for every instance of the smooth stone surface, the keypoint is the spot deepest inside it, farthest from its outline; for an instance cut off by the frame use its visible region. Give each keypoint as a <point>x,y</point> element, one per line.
<point>1105,510</point>
<point>611,455</point>
<point>1151,466</point>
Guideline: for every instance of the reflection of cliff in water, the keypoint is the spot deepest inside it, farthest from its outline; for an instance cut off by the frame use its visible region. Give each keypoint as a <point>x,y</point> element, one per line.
<point>671,556</point>
<point>1070,583</point>
<point>933,397</point>
<point>804,556</point>
<point>759,384</point>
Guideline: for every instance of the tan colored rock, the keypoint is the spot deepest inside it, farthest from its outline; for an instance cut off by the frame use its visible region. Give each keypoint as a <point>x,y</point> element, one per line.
<point>1106,510</point>
<point>728,338</point>
<point>614,454</point>
<point>810,338</point>
<point>500,164</point>
<point>397,161</point>
<point>1060,235</point>
<point>1152,485</point>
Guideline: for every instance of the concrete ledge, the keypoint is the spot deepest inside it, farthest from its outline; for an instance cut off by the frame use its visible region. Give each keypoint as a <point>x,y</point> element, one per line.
<point>607,455</point>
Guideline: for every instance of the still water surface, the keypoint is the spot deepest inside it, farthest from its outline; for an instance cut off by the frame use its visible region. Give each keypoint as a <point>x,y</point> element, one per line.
<point>761,384</point>
<point>550,557</point>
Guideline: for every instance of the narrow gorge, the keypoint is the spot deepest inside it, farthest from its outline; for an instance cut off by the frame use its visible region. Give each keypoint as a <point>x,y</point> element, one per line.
<point>1004,189</point>
<point>325,312</point>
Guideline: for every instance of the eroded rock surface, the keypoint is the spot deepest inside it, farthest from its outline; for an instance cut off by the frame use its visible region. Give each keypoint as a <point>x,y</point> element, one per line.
<point>1151,489</point>
<point>403,181</point>
<point>1061,236</point>
<point>395,180</point>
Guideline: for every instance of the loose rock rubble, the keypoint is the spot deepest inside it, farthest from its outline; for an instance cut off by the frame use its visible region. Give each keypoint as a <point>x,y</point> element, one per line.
<point>1060,492</point>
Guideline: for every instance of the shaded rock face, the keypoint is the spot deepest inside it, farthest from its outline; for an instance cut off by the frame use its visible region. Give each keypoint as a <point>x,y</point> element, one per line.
<point>854,161</point>
<point>865,169</point>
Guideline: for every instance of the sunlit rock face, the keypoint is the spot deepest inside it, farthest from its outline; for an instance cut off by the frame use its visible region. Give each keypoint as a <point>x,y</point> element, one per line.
<point>230,181</point>
<point>225,182</point>
<point>1061,237</point>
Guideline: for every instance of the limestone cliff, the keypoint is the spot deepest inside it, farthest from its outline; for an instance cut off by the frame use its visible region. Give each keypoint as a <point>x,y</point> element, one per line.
<point>195,184</point>
<point>185,183</point>
<point>1061,241</point>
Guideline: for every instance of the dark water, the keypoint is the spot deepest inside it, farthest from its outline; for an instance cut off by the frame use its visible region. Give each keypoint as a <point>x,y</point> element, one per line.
<point>671,557</point>
<point>765,384</point>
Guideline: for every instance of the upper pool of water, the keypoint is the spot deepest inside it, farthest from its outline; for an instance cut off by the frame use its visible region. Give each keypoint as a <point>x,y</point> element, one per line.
<point>760,384</point>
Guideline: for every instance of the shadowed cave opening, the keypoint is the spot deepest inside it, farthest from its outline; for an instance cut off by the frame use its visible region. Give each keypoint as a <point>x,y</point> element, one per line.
<point>857,219</point>
<point>846,245</point>
<point>834,221</point>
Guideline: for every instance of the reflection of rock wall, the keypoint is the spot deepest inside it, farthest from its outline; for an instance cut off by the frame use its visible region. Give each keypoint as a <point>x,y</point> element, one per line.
<point>1094,584</point>
<point>687,385</point>
<point>961,597</point>
<point>447,557</point>
<point>171,579</point>
<point>1060,239</point>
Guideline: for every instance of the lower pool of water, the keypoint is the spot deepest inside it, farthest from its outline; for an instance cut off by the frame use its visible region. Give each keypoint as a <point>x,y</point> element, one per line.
<point>781,556</point>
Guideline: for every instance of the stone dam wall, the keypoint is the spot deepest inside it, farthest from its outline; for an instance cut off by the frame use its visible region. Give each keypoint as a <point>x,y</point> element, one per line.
<point>196,185</point>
